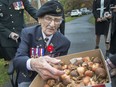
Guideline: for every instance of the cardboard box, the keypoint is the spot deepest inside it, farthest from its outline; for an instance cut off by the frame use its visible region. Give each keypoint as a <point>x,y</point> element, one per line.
<point>38,82</point>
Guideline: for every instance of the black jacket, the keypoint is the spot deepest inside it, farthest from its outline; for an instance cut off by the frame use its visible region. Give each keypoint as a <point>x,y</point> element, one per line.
<point>12,20</point>
<point>96,5</point>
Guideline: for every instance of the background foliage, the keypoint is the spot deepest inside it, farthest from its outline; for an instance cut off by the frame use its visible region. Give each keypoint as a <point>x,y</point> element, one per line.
<point>76,4</point>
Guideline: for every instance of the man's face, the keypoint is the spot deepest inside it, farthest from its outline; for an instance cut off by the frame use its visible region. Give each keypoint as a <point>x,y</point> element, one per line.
<point>50,24</point>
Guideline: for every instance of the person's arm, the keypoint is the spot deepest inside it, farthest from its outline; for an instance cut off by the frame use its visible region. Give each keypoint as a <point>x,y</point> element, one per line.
<point>62,25</point>
<point>7,33</point>
<point>113,2</point>
<point>22,54</point>
<point>95,12</point>
<point>30,9</point>
<point>113,60</point>
<point>4,31</point>
<point>66,48</point>
<point>65,45</point>
<point>42,66</point>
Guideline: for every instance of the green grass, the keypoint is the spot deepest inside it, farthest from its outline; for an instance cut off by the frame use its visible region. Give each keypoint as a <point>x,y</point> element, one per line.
<point>92,20</point>
<point>3,73</point>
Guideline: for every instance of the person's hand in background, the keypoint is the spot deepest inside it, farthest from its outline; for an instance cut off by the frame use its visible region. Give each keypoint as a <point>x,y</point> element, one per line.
<point>14,36</point>
<point>99,20</point>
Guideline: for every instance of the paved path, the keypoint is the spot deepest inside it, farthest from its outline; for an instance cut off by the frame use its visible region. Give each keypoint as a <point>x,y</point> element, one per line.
<point>82,36</point>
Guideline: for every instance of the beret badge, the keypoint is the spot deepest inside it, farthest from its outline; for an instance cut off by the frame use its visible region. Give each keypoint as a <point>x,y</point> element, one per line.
<point>58,9</point>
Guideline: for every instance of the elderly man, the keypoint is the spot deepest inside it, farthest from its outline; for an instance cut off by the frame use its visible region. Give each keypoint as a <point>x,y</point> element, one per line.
<point>40,40</point>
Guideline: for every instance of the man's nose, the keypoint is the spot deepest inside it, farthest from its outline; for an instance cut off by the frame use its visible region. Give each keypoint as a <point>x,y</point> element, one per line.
<point>52,23</point>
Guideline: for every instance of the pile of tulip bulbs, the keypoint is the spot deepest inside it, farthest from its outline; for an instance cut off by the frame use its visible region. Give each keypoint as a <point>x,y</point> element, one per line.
<point>84,71</point>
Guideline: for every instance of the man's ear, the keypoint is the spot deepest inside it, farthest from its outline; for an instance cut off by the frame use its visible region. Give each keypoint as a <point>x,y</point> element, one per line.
<point>39,21</point>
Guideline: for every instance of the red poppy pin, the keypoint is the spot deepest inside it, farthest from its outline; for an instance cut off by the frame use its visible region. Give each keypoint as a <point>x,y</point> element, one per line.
<point>50,48</point>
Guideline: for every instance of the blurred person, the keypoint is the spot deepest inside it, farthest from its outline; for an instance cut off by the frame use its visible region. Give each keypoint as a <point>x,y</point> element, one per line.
<point>102,15</point>
<point>39,41</point>
<point>112,49</point>
<point>111,63</point>
<point>62,26</point>
<point>11,24</point>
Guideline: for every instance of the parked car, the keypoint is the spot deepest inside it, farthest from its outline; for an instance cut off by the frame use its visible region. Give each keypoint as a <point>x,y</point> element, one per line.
<point>67,14</point>
<point>75,12</point>
<point>85,10</point>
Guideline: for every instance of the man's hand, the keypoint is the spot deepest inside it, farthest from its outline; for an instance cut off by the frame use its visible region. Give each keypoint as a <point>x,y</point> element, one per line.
<point>107,15</point>
<point>99,20</point>
<point>14,36</point>
<point>42,66</point>
<point>114,8</point>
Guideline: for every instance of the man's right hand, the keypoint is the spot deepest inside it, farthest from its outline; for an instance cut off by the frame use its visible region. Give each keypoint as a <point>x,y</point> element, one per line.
<point>14,36</point>
<point>42,66</point>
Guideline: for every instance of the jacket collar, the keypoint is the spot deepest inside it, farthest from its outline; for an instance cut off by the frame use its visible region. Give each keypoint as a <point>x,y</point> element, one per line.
<point>38,37</point>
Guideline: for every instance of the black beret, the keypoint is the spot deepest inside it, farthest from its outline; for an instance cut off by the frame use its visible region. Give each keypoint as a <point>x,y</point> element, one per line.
<point>51,8</point>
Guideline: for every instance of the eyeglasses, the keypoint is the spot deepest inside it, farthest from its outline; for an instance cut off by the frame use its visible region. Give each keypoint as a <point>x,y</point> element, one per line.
<point>50,19</point>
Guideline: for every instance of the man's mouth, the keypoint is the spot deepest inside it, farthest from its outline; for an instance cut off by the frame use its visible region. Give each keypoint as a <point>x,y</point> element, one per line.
<point>51,29</point>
